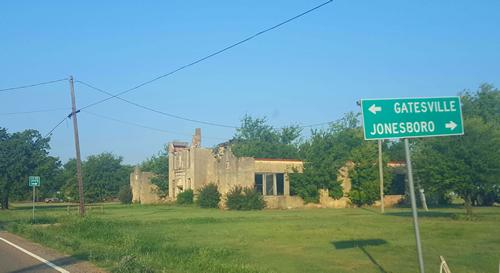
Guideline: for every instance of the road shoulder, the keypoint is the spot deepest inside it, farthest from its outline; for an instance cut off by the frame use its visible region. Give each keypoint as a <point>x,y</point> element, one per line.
<point>67,262</point>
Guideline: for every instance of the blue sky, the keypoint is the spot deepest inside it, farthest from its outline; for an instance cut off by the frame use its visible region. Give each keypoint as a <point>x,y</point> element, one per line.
<point>309,71</point>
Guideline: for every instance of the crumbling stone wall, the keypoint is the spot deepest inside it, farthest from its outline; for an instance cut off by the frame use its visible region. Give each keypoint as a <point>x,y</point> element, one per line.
<point>229,171</point>
<point>143,191</point>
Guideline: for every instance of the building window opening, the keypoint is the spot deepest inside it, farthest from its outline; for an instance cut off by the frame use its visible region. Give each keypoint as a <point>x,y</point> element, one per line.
<point>258,183</point>
<point>280,184</point>
<point>269,184</point>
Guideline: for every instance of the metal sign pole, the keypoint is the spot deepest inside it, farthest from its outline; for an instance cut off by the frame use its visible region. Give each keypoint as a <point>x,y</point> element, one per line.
<point>381,175</point>
<point>33,204</point>
<point>414,207</point>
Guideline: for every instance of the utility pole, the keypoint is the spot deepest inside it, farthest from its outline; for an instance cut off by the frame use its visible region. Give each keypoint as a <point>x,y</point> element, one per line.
<point>381,174</point>
<point>77,147</point>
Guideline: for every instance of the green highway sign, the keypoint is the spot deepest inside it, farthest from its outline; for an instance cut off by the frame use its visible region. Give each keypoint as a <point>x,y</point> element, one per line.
<point>34,181</point>
<point>411,117</point>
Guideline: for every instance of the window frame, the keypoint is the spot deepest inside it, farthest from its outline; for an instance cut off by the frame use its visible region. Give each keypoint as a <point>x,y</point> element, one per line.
<point>264,176</point>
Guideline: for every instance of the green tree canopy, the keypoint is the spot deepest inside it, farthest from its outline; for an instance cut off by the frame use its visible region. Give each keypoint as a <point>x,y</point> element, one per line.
<point>364,174</point>
<point>23,154</point>
<point>255,138</point>
<point>467,165</point>
<point>158,164</point>
<point>324,154</point>
<point>484,103</point>
<point>103,176</point>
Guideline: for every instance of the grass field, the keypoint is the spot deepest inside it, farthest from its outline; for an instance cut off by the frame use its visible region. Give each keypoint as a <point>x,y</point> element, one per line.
<point>187,239</point>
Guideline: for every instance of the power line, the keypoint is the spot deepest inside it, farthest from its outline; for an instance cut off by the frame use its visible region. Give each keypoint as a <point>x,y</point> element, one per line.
<point>127,122</point>
<point>210,55</point>
<point>316,124</point>
<point>35,111</point>
<point>31,85</point>
<point>111,96</point>
<point>57,125</point>
<point>155,110</point>
<point>143,126</point>
<point>180,117</point>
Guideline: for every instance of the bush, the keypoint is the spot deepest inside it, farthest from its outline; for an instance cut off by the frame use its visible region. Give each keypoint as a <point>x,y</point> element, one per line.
<point>125,194</point>
<point>360,197</point>
<point>254,199</point>
<point>209,196</point>
<point>185,197</point>
<point>239,198</point>
<point>235,198</point>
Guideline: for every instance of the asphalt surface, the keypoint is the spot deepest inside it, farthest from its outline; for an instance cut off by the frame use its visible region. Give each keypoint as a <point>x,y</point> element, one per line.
<point>14,260</point>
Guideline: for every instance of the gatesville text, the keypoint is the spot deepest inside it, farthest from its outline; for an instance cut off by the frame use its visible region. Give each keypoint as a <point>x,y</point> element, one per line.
<point>415,126</point>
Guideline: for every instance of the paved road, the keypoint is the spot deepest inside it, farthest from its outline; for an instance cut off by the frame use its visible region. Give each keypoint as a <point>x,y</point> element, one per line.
<point>18,255</point>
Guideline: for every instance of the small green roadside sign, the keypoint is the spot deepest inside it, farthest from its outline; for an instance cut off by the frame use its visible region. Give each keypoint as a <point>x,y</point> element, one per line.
<point>411,117</point>
<point>34,181</point>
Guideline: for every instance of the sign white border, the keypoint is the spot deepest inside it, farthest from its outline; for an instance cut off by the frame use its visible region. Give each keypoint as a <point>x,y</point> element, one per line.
<point>399,137</point>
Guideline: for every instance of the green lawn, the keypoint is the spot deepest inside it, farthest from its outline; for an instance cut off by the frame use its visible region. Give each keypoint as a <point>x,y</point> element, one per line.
<point>187,239</point>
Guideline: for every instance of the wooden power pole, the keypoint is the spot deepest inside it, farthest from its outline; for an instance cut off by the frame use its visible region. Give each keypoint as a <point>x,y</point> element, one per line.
<point>77,147</point>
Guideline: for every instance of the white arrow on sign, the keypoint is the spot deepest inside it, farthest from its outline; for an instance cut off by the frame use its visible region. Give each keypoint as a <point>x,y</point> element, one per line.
<point>374,109</point>
<point>451,125</point>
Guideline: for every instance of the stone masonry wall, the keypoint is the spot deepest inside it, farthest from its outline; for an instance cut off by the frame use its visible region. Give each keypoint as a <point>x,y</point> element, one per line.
<point>143,191</point>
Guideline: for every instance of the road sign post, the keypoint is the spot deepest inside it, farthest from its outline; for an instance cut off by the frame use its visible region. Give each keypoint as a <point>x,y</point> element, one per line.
<point>407,118</point>
<point>411,188</point>
<point>34,181</point>
<point>381,175</point>
<point>33,218</point>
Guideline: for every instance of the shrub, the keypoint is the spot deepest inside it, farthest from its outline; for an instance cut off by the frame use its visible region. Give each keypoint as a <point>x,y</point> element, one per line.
<point>185,197</point>
<point>125,194</point>
<point>239,198</point>
<point>254,199</point>
<point>360,197</point>
<point>209,196</point>
<point>235,198</point>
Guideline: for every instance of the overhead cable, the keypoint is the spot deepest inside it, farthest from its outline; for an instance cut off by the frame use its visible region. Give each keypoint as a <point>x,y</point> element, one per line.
<point>143,126</point>
<point>155,110</point>
<point>31,85</point>
<point>210,55</point>
<point>55,127</point>
<point>180,117</point>
<point>35,111</point>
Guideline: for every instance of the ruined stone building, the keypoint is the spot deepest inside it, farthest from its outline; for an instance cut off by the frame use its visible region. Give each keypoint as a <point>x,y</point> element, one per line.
<point>192,167</point>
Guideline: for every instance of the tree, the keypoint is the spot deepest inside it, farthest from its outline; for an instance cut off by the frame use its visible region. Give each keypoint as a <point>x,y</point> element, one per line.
<point>467,165</point>
<point>23,154</point>
<point>158,164</point>
<point>125,194</point>
<point>484,103</point>
<point>255,138</point>
<point>50,170</point>
<point>70,187</point>
<point>103,175</point>
<point>396,151</point>
<point>365,176</point>
<point>324,154</point>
